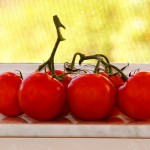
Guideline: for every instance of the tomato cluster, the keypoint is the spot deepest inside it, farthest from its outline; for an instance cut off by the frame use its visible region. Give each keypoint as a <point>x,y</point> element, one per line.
<point>44,95</point>
<point>88,96</point>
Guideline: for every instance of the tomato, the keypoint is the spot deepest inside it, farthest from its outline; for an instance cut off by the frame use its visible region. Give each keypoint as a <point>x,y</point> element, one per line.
<point>65,81</point>
<point>134,96</point>
<point>91,96</point>
<point>9,86</point>
<point>41,97</point>
<point>116,80</point>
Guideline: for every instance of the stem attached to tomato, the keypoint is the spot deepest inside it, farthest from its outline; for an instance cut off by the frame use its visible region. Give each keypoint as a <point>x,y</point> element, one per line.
<point>97,56</point>
<point>84,57</point>
<point>124,77</point>
<point>99,59</point>
<point>50,61</point>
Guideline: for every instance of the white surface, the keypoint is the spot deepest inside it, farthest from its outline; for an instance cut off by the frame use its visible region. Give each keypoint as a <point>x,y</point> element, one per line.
<point>73,144</point>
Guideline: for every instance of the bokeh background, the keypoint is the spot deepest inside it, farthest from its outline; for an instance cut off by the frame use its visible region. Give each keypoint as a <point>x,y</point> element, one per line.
<point>120,29</point>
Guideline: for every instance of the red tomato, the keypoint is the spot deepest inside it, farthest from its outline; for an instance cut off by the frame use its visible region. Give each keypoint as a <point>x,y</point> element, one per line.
<point>134,96</point>
<point>65,81</point>
<point>91,96</point>
<point>116,80</point>
<point>9,86</point>
<point>41,97</point>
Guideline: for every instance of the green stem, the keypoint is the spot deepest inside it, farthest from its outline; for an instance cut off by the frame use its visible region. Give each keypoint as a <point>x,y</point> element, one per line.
<point>87,58</point>
<point>50,61</point>
<point>124,77</point>
<point>99,59</point>
<point>96,56</point>
<point>74,58</point>
<point>51,58</point>
<point>96,70</point>
<point>110,71</point>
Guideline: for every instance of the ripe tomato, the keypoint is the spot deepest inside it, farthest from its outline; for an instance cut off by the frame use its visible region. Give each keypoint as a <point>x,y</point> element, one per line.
<point>91,96</point>
<point>65,81</point>
<point>41,97</point>
<point>9,86</point>
<point>134,96</point>
<point>116,80</point>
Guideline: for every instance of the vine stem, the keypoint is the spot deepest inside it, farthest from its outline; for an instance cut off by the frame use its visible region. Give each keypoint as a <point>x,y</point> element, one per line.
<point>74,58</point>
<point>99,59</point>
<point>97,56</point>
<point>51,58</point>
<point>50,61</point>
<point>84,57</point>
<point>124,77</point>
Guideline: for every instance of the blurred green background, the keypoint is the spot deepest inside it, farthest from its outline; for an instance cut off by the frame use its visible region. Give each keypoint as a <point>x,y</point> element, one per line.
<point>120,29</point>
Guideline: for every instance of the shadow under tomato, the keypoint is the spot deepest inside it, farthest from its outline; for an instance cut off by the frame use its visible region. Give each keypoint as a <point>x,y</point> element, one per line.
<point>12,120</point>
<point>57,120</point>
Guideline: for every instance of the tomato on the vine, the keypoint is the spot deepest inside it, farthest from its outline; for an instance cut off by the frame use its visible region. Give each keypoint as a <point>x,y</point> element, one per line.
<point>41,97</point>
<point>91,96</point>
<point>134,96</point>
<point>9,86</point>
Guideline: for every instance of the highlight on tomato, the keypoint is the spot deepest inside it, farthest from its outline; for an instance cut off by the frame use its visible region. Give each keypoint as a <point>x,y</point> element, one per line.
<point>41,97</point>
<point>91,96</point>
<point>9,86</point>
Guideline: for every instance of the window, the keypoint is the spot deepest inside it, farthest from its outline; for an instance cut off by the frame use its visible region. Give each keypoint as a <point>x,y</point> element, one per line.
<point>120,29</point>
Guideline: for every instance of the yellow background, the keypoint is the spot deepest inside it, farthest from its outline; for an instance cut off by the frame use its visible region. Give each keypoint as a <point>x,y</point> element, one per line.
<point>120,29</point>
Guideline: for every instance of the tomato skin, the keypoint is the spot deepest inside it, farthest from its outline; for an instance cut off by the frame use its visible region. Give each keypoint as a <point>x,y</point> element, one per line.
<point>133,97</point>
<point>41,97</point>
<point>9,86</point>
<point>91,96</point>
